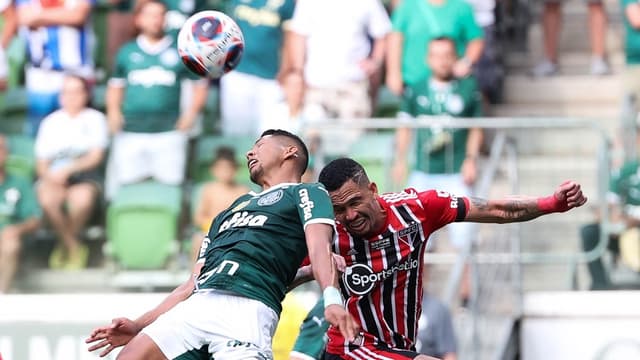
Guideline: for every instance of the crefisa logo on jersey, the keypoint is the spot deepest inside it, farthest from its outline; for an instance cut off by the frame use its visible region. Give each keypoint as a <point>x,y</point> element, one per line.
<point>271,198</point>
<point>360,279</point>
<point>306,204</point>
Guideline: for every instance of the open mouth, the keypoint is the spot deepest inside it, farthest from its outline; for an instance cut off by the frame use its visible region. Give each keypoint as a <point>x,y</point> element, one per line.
<point>357,224</point>
<point>252,163</point>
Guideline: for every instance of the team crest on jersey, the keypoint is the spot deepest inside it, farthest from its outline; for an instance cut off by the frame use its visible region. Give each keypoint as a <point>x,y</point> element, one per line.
<point>169,57</point>
<point>410,234</point>
<point>270,198</point>
<point>241,206</point>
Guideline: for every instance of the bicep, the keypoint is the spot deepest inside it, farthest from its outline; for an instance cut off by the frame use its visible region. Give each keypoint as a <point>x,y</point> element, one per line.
<point>318,236</point>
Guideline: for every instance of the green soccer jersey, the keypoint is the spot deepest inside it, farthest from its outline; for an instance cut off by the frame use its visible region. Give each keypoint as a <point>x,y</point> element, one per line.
<point>179,10</point>
<point>17,201</point>
<point>438,150</point>
<point>255,247</point>
<point>262,23</point>
<point>625,183</point>
<point>632,36</point>
<point>420,21</point>
<point>312,338</point>
<point>151,76</point>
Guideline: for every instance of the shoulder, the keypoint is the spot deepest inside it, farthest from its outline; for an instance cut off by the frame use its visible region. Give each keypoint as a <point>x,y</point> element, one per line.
<point>393,198</point>
<point>93,115</point>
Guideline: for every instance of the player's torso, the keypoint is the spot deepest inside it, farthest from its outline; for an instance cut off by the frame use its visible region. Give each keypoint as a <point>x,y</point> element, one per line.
<point>382,282</point>
<point>256,245</point>
<point>11,193</point>
<point>153,69</point>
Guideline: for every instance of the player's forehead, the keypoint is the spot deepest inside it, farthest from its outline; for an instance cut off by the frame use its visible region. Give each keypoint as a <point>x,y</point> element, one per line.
<point>346,193</point>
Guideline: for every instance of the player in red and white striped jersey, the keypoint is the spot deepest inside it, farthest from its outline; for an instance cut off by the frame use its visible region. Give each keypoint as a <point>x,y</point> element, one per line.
<point>383,239</point>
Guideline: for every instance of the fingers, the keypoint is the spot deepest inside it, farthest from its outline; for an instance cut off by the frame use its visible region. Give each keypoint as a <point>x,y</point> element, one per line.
<point>99,345</point>
<point>97,334</point>
<point>107,351</point>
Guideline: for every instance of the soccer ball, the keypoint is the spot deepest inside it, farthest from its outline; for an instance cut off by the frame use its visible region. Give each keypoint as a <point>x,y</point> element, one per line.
<point>210,43</point>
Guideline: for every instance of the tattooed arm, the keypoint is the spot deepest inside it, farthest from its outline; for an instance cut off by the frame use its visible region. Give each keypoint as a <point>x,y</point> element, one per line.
<point>522,208</point>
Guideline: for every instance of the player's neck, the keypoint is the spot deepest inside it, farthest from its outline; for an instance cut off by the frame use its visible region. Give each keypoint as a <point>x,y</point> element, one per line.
<point>271,181</point>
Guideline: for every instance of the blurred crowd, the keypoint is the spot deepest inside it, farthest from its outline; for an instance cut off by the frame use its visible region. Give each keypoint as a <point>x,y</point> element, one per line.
<point>306,63</point>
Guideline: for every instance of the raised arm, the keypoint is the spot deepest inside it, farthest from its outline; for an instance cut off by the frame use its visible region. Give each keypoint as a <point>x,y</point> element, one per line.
<point>318,238</point>
<point>523,208</point>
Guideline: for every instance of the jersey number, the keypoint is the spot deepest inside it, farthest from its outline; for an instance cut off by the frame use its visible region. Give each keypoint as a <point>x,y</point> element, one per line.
<point>227,266</point>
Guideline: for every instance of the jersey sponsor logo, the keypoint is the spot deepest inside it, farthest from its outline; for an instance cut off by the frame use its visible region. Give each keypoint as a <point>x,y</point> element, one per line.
<point>360,279</point>
<point>306,204</point>
<point>455,104</point>
<point>243,219</point>
<point>155,75</point>
<point>135,57</point>
<point>256,17</point>
<point>270,198</point>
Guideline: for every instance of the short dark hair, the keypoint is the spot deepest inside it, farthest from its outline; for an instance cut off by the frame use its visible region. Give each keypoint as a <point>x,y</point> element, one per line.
<point>225,153</point>
<point>303,157</point>
<point>339,171</point>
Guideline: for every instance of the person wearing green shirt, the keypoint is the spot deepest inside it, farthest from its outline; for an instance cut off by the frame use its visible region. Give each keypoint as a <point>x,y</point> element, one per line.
<point>143,105</point>
<point>414,24</point>
<point>229,307</point>
<point>445,158</point>
<point>19,215</point>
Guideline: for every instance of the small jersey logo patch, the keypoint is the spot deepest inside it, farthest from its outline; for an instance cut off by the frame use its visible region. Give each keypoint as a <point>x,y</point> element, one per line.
<point>270,198</point>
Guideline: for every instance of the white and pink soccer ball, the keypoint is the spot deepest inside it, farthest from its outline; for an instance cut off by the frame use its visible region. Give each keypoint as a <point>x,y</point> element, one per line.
<point>210,44</point>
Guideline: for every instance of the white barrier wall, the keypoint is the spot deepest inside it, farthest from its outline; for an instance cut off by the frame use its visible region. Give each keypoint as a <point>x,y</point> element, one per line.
<point>54,327</point>
<point>581,325</point>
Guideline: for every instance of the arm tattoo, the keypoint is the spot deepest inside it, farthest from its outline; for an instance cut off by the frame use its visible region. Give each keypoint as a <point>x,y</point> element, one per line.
<point>506,210</point>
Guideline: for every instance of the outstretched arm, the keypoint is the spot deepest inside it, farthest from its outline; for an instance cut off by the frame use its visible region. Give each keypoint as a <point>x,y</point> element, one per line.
<point>122,330</point>
<point>520,208</point>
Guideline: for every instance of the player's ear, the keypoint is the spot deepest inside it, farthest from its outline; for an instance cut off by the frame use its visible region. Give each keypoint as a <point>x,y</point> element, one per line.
<point>373,187</point>
<point>291,152</point>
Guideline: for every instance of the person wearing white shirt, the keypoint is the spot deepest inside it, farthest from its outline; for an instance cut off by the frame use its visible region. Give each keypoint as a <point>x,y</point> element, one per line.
<point>338,45</point>
<point>70,148</point>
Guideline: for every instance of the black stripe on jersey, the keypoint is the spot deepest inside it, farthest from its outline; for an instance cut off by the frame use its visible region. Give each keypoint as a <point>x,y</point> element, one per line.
<point>412,287</point>
<point>363,303</point>
<point>388,291</point>
<point>462,210</point>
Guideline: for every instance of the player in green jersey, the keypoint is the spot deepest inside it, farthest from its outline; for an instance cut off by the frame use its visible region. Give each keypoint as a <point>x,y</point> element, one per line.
<point>229,308</point>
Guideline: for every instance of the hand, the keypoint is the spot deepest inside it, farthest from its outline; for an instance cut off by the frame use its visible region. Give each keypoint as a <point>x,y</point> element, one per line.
<point>115,120</point>
<point>114,335</point>
<point>399,173</point>
<point>569,195</point>
<point>469,171</point>
<point>341,264</point>
<point>394,83</point>
<point>185,122</point>
<point>29,15</point>
<point>60,176</point>
<point>337,316</point>
<point>370,66</point>
<point>462,68</point>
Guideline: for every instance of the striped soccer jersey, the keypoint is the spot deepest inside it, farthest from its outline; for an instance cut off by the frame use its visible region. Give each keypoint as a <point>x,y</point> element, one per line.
<point>382,284</point>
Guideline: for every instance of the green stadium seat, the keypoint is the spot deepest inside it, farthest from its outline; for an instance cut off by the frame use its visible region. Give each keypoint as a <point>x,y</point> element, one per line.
<point>205,150</point>
<point>21,160</point>
<point>142,225</point>
<point>375,152</point>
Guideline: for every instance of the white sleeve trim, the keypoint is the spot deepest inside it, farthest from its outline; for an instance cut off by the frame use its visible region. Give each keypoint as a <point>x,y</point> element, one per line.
<point>331,222</point>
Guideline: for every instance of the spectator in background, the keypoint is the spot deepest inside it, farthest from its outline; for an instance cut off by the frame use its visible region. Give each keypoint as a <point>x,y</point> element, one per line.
<point>121,27</point>
<point>59,40</point>
<point>19,215</point>
<point>9,27</point>
<point>338,60</point>
<point>436,336</point>
<point>248,93</point>
<point>444,158</point>
<point>216,195</point>
<point>143,102</point>
<point>631,78</point>
<point>551,27</point>
<point>70,149</point>
<point>179,10</point>
<point>416,23</point>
